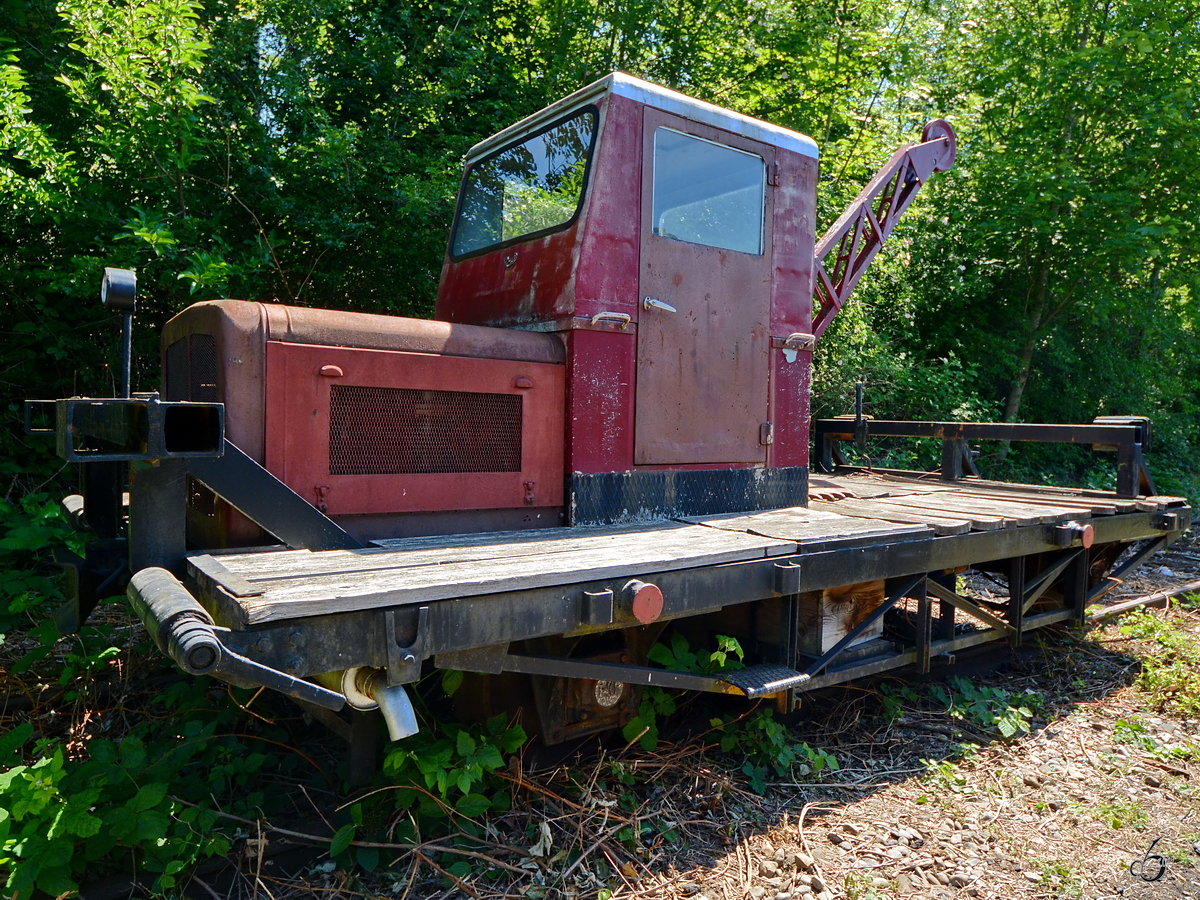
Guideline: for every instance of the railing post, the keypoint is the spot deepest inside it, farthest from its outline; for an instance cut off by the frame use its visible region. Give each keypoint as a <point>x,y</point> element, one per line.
<point>952,459</point>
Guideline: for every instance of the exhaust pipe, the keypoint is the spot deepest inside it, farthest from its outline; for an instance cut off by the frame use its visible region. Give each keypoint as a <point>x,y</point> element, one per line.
<point>366,688</point>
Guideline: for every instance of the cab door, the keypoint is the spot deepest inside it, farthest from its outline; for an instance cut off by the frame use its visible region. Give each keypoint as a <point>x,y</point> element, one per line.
<point>705,293</point>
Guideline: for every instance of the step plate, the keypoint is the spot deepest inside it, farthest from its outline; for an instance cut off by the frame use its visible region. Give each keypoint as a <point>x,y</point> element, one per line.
<point>766,678</point>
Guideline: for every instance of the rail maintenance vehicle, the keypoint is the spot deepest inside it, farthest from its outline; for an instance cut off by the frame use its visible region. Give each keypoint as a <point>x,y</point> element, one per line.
<point>603,433</point>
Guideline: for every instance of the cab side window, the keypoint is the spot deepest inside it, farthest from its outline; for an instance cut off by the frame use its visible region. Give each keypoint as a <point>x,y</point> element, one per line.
<point>707,193</point>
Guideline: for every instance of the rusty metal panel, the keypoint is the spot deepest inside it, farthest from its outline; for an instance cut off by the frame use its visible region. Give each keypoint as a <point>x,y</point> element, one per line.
<point>359,432</point>
<point>702,373</point>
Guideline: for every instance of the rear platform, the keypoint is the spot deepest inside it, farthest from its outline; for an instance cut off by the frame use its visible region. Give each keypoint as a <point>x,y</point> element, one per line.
<point>472,601</point>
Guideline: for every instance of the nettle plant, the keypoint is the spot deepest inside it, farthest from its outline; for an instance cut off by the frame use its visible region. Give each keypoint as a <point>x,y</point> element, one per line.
<point>994,708</point>
<point>766,745</point>
<point>134,805</point>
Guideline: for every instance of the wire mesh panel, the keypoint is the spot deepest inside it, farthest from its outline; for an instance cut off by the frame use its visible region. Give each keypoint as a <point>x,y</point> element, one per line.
<point>191,365</point>
<point>393,431</point>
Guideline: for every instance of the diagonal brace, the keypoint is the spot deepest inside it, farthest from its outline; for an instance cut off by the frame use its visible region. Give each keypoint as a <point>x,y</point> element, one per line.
<point>943,593</point>
<point>1039,585</point>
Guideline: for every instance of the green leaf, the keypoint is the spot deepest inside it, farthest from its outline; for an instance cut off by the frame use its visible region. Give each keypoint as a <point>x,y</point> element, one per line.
<point>152,825</point>
<point>489,757</point>
<point>465,744</point>
<point>368,858</point>
<point>452,680</point>
<point>513,739</point>
<point>132,753</point>
<point>460,869</point>
<point>473,805</point>
<point>342,839</point>
<point>12,741</point>
<point>148,797</point>
<point>661,655</point>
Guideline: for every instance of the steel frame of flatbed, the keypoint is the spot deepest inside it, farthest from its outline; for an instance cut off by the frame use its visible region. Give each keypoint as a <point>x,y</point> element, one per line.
<point>473,632</point>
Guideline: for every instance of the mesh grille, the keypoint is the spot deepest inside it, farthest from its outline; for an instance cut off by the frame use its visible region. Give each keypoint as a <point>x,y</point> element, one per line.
<point>192,369</point>
<point>394,431</point>
<point>177,366</point>
<point>202,385</point>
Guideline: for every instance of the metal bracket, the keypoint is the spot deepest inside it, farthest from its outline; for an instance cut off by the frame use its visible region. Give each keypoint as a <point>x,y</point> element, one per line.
<point>126,430</point>
<point>596,607</point>
<point>1042,581</point>
<point>1167,521</point>
<point>260,496</point>
<point>786,578</point>
<point>404,663</point>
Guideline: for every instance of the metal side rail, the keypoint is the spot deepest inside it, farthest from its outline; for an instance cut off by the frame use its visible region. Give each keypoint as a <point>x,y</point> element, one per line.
<point>753,681</point>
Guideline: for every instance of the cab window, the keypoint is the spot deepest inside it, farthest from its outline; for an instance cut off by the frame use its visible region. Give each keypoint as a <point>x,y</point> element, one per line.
<point>526,189</point>
<point>707,193</point>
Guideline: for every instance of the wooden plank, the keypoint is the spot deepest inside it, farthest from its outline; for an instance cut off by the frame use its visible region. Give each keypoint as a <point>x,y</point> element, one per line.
<point>810,528</point>
<point>980,520</point>
<point>440,549</point>
<point>942,525</point>
<point>1013,516</point>
<point>1018,513</point>
<point>620,556</point>
<point>209,573</point>
<point>869,487</point>
<point>876,484</point>
<point>1022,513</point>
<point>1125,504</point>
<point>1084,507</point>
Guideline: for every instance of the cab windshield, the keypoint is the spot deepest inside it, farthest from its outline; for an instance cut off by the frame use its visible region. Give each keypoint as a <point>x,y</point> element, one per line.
<point>526,189</point>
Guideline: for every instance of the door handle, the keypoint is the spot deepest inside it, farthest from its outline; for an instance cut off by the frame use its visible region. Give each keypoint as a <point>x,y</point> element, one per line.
<point>651,303</point>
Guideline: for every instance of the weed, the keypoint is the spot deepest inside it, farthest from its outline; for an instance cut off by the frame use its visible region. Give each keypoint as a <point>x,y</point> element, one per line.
<point>137,802</point>
<point>942,778</point>
<point>768,746</point>
<point>1170,672</point>
<point>1132,731</point>
<point>657,703</point>
<point>893,699</point>
<point>1123,814</point>
<point>859,887</point>
<point>993,708</point>
<point>1060,880</point>
<point>1182,853</point>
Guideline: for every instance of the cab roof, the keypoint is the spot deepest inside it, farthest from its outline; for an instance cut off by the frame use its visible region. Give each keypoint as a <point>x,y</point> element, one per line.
<point>658,97</point>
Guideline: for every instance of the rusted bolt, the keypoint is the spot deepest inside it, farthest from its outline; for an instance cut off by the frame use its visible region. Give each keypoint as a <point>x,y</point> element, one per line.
<point>645,600</point>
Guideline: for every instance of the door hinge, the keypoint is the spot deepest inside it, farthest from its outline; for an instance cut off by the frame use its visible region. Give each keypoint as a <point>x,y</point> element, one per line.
<point>766,434</point>
<point>773,174</point>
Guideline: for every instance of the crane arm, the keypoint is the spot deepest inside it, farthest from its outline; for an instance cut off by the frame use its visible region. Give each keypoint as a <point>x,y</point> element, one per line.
<point>848,247</point>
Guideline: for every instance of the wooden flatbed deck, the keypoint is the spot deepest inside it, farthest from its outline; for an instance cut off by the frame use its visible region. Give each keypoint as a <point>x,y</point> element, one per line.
<point>254,589</point>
